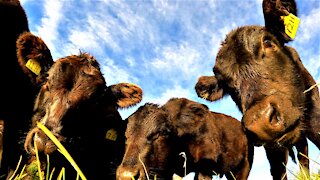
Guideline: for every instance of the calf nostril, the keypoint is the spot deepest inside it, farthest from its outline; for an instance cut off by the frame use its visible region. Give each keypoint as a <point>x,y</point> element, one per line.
<point>137,176</point>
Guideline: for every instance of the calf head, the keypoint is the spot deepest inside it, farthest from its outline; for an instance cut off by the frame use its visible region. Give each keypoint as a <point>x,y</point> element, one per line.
<point>74,101</point>
<point>265,78</point>
<point>198,134</point>
<point>149,139</point>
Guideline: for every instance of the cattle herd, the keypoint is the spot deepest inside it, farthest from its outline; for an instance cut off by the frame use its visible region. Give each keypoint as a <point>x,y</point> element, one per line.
<point>265,78</point>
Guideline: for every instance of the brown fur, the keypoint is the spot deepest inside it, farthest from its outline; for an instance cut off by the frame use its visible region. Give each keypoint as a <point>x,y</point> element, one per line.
<point>267,80</point>
<point>75,104</point>
<point>212,142</point>
<point>17,92</point>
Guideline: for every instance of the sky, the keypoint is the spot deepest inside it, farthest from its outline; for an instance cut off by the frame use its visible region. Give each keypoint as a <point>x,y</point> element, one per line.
<point>164,46</point>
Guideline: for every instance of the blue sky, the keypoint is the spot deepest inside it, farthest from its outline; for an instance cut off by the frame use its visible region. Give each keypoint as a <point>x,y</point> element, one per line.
<point>164,46</point>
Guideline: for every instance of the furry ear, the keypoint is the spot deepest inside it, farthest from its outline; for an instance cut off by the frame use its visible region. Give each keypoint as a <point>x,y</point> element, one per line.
<point>126,94</point>
<point>273,11</point>
<point>34,57</point>
<point>208,88</point>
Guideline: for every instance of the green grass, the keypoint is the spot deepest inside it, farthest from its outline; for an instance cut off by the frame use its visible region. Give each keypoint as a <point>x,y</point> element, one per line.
<point>34,170</point>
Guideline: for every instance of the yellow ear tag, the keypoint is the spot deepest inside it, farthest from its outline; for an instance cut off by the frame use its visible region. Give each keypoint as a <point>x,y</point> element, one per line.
<point>34,66</point>
<point>291,23</point>
<point>112,135</point>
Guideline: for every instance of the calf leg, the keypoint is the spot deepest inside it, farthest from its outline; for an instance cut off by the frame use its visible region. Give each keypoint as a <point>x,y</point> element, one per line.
<point>278,159</point>
<point>241,173</point>
<point>302,147</point>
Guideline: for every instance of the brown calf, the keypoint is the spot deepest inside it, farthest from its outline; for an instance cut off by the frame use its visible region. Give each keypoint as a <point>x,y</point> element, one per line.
<point>19,85</point>
<point>267,80</point>
<point>212,142</point>
<point>77,106</point>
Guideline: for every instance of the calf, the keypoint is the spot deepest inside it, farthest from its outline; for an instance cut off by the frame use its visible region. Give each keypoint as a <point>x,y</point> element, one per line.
<point>77,106</point>
<point>19,85</point>
<point>212,142</point>
<point>267,80</point>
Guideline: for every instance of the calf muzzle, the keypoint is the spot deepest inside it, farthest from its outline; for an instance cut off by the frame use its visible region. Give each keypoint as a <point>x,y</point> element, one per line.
<point>272,120</point>
<point>36,137</point>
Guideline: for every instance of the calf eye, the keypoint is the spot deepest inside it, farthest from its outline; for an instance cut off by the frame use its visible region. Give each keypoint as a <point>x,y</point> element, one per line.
<point>267,43</point>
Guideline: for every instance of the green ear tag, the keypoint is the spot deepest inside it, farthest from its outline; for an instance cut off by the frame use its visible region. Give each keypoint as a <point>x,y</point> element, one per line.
<point>112,135</point>
<point>34,66</point>
<point>291,23</point>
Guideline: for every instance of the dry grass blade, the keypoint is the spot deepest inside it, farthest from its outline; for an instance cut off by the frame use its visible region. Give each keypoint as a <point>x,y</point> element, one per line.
<point>183,154</point>
<point>61,174</point>
<point>233,176</point>
<point>313,86</point>
<point>15,171</point>
<point>21,173</point>
<point>144,167</point>
<point>62,150</point>
<point>51,174</point>
<point>38,161</point>
<point>48,167</point>
<point>308,158</point>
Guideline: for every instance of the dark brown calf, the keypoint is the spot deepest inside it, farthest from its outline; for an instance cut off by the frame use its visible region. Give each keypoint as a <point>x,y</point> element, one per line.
<point>212,142</point>
<point>18,90</point>
<point>77,106</point>
<point>267,80</point>
<point>150,142</point>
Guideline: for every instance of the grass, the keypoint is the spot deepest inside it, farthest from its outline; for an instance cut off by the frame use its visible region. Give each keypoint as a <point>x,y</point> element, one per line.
<point>33,170</point>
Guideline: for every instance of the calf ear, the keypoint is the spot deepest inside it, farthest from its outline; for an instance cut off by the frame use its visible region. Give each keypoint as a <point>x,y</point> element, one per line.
<point>208,88</point>
<point>274,11</point>
<point>126,94</point>
<point>34,57</point>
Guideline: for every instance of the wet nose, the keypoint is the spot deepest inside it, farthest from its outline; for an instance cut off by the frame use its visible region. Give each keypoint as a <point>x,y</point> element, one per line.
<point>37,138</point>
<point>125,174</point>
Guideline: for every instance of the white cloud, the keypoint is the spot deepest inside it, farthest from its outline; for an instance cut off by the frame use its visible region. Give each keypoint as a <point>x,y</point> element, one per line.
<point>114,74</point>
<point>309,26</point>
<point>23,2</point>
<point>84,40</point>
<point>182,59</point>
<point>50,22</point>
<point>176,91</point>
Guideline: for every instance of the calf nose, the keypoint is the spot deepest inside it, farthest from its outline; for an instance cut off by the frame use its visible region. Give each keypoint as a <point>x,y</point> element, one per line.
<point>128,175</point>
<point>125,174</point>
<point>37,138</point>
<point>262,122</point>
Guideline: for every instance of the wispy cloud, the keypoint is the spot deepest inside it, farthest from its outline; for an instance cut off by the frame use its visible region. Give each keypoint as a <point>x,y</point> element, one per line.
<point>182,60</point>
<point>309,27</point>
<point>50,22</point>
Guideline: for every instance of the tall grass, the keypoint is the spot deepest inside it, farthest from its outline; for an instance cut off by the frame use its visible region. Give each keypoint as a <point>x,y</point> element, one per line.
<point>33,170</point>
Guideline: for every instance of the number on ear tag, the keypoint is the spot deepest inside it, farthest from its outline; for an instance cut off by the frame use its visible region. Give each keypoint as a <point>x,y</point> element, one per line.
<point>291,23</point>
<point>112,135</point>
<point>34,66</point>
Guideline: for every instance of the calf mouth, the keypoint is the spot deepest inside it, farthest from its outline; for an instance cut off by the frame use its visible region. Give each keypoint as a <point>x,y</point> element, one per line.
<point>36,137</point>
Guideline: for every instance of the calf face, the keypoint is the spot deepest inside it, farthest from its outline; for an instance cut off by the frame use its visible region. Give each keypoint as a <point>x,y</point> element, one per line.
<point>267,80</point>
<point>259,70</point>
<point>149,143</point>
<point>77,106</point>
<point>213,142</point>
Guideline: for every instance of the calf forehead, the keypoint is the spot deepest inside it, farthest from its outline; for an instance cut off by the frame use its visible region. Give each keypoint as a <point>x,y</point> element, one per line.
<point>241,45</point>
<point>146,120</point>
<point>71,69</point>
